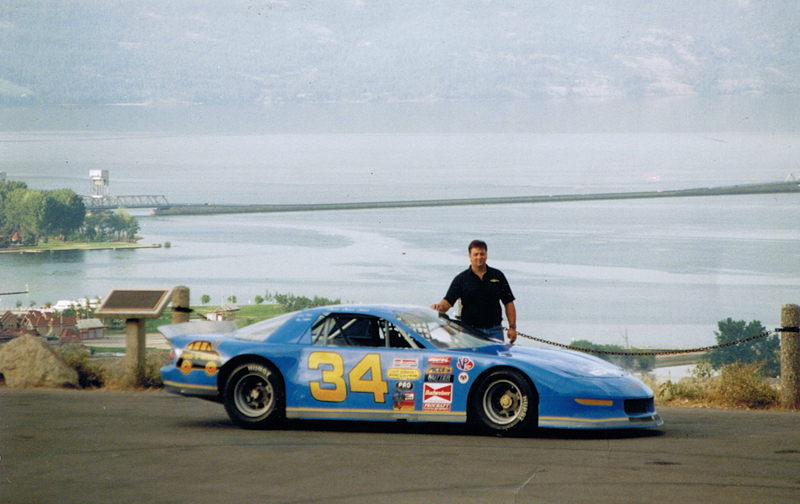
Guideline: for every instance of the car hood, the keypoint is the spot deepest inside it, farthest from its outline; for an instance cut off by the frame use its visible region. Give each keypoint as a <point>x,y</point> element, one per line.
<point>566,362</point>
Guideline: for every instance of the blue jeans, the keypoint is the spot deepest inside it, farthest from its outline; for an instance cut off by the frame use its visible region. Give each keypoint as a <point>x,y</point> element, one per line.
<point>495,333</point>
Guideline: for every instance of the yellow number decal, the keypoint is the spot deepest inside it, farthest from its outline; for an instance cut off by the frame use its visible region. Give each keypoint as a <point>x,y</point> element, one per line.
<point>371,364</point>
<point>329,376</point>
<point>375,384</point>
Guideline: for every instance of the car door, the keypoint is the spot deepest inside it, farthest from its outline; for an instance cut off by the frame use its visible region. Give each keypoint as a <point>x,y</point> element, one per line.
<point>359,367</point>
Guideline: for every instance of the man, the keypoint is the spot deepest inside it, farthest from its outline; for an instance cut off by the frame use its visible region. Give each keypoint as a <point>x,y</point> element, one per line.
<point>482,290</point>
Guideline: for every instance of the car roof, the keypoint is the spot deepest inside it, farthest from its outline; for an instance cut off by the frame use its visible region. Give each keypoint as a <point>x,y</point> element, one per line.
<point>297,322</point>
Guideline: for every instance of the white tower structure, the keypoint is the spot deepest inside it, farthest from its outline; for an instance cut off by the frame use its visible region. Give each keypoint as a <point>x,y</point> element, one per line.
<point>98,183</point>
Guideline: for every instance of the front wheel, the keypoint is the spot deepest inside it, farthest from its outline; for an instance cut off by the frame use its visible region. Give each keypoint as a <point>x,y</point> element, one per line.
<point>254,396</point>
<point>506,404</point>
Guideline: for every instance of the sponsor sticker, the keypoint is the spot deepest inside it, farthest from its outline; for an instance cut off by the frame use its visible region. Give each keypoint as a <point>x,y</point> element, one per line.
<point>465,364</point>
<point>404,386</point>
<point>437,397</point>
<point>402,374</point>
<point>405,363</point>
<point>202,346</point>
<point>439,378</point>
<point>200,355</point>
<point>437,393</point>
<point>403,401</point>
<point>439,370</point>
<point>463,378</point>
<point>439,361</point>
<point>436,408</point>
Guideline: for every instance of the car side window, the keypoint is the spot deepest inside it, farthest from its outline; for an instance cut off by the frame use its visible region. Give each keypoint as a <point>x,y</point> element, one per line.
<point>348,330</point>
<point>397,338</point>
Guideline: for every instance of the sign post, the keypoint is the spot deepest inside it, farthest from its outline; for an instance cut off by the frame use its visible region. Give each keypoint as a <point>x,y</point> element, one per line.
<point>135,306</point>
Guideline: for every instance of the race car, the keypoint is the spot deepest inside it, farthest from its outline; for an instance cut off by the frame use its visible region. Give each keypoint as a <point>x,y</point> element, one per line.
<point>380,362</point>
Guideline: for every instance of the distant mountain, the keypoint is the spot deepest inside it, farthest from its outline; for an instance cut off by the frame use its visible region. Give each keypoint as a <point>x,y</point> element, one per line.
<point>252,52</point>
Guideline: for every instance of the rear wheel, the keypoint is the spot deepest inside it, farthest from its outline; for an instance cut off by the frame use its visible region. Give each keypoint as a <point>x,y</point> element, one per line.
<point>505,403</point>
<point>254,396</point>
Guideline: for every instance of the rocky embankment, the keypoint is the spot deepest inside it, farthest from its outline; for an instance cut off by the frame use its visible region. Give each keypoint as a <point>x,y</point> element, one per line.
<point>28,361</point>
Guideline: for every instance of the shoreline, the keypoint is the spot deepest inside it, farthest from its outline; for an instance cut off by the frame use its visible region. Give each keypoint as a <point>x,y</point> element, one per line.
<point>77,246</point>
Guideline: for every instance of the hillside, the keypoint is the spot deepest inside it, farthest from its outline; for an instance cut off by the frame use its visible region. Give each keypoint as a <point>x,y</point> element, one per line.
<point>101,52</point>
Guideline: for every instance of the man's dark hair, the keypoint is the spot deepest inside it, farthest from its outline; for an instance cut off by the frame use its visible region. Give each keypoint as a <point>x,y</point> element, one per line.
<point>478,244</point>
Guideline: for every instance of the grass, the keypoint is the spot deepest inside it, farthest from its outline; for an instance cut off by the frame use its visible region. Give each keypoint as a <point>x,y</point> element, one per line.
<point>53,245</point>
<point>248,314</point>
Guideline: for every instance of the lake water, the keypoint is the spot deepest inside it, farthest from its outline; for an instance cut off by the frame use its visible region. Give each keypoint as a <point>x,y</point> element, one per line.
<point>657,272</point>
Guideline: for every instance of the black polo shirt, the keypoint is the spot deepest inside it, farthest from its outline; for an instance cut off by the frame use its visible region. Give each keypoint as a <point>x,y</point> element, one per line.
<point>480,299</point>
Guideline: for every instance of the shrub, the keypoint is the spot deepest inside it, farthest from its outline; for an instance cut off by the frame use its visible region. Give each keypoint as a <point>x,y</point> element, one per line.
<point>741,385</point>
<point>90,373</point>
<point>688,389</point>
<point>738,385</point>
<point>119,378</point>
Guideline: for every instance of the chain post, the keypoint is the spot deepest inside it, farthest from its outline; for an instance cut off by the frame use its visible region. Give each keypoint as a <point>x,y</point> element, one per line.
<point>790,357</point>
<point>180,305</point>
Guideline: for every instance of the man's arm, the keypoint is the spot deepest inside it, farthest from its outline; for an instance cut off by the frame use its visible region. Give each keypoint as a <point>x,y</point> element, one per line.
<point>511,315</point>
<point>442,306</point>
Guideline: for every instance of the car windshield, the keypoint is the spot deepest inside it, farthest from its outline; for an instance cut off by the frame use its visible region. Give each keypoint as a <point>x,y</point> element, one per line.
<point>260,331</point>
<point>441,331</point>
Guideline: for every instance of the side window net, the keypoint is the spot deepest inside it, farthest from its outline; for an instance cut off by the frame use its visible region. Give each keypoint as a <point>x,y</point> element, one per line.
<point>344,330</point>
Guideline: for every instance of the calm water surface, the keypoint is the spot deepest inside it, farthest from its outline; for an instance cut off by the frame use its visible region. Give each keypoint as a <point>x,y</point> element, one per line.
<point>654,272</point>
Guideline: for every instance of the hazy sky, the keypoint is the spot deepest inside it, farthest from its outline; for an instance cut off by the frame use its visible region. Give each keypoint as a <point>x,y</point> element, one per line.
<point>263,54</point>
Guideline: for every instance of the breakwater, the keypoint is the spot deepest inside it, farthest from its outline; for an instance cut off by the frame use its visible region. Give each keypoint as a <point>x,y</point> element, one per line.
<point>208,209</point>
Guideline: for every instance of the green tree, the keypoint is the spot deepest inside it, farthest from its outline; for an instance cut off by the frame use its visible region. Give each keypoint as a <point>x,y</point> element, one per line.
<point>97,224</point>
<point>123,224</point>
<point>259,300</point>
<point>292,303</point>
<point>24,211</point>
<point>765,350</point>
<point>205,299</point>
<point>64,212</point>
<point>6,188</point>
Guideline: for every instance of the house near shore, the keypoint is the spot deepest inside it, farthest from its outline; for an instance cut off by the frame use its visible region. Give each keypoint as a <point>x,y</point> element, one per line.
<point>48,325</point>
<point>89,329</point>
<point>226,311</point>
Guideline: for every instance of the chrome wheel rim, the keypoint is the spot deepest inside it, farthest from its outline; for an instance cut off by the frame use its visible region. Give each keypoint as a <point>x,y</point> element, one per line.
<point>502,402</point>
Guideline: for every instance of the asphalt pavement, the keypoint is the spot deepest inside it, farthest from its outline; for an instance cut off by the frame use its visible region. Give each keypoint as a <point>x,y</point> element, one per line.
<point>65,446</point>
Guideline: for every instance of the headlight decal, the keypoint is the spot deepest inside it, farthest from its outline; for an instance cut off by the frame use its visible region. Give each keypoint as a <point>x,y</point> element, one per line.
<point>594,402</point>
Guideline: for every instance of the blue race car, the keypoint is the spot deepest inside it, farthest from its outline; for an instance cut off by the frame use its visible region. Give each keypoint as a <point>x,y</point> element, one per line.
<point>375,362</point>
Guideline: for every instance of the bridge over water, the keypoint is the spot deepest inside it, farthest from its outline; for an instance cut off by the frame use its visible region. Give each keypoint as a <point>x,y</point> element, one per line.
<point>208,209</point>
<point>161,206</point>
<point>114,202</point>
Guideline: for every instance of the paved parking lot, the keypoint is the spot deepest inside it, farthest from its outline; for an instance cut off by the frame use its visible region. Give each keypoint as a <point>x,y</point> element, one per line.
<point>62,446</point>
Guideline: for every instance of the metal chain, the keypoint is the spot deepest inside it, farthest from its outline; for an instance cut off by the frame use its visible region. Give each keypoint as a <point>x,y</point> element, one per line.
<point>647,354</point>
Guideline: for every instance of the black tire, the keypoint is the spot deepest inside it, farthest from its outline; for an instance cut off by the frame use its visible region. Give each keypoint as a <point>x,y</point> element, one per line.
<point>254,396</point>
<point>505,403</point>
